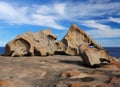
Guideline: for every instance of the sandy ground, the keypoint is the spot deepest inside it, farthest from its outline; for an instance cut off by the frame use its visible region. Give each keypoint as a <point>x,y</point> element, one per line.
<point>55,71</point>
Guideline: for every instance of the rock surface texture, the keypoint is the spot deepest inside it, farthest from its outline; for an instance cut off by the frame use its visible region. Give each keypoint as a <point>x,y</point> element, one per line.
<point>56,71</point>
<point>41,44</point>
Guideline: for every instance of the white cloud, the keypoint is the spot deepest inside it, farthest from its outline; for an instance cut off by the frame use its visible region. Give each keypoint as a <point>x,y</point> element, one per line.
<point>60,8</point>
<point>56,12</point>
<point>98,1</point>
<point>117,20</point>
<point>12,14</point>
<point>93,24</point>
<point>55,9</point>
<point>101,30</point>
<point>94,9</point>
<point>24,15</point>
<point>51,15</point>
<point>47,21</point>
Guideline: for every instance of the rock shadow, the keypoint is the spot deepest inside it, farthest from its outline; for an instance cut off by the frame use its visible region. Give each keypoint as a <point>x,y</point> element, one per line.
<point>80,63</point>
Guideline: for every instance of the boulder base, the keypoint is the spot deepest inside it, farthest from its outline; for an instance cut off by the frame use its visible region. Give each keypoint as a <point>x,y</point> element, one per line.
<point>93,56</point>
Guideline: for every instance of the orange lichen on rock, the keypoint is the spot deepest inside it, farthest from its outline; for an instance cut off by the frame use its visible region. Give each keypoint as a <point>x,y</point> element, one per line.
<point>84,84</point>
<point>3,83</point>
<point>111,67</point>
<point>115,63</point>
<point>14,83</point>
<point>76,85</point>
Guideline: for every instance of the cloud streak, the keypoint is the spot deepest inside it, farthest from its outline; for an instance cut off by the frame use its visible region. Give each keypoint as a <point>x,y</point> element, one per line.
<point>100,30</point>
<point>92,9</point>
<point>12,14</point>
<point>117,20</point>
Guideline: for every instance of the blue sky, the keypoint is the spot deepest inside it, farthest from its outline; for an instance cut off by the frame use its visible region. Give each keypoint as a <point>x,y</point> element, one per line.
<point>99,18</point>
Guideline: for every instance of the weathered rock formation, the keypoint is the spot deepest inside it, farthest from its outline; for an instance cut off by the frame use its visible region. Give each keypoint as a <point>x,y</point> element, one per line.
<point>77,42</point>
<point>41,44</point>
<point>75,38</point>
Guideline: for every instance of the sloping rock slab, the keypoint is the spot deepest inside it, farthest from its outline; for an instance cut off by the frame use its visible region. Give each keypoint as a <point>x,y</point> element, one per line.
<point>74,38</point>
